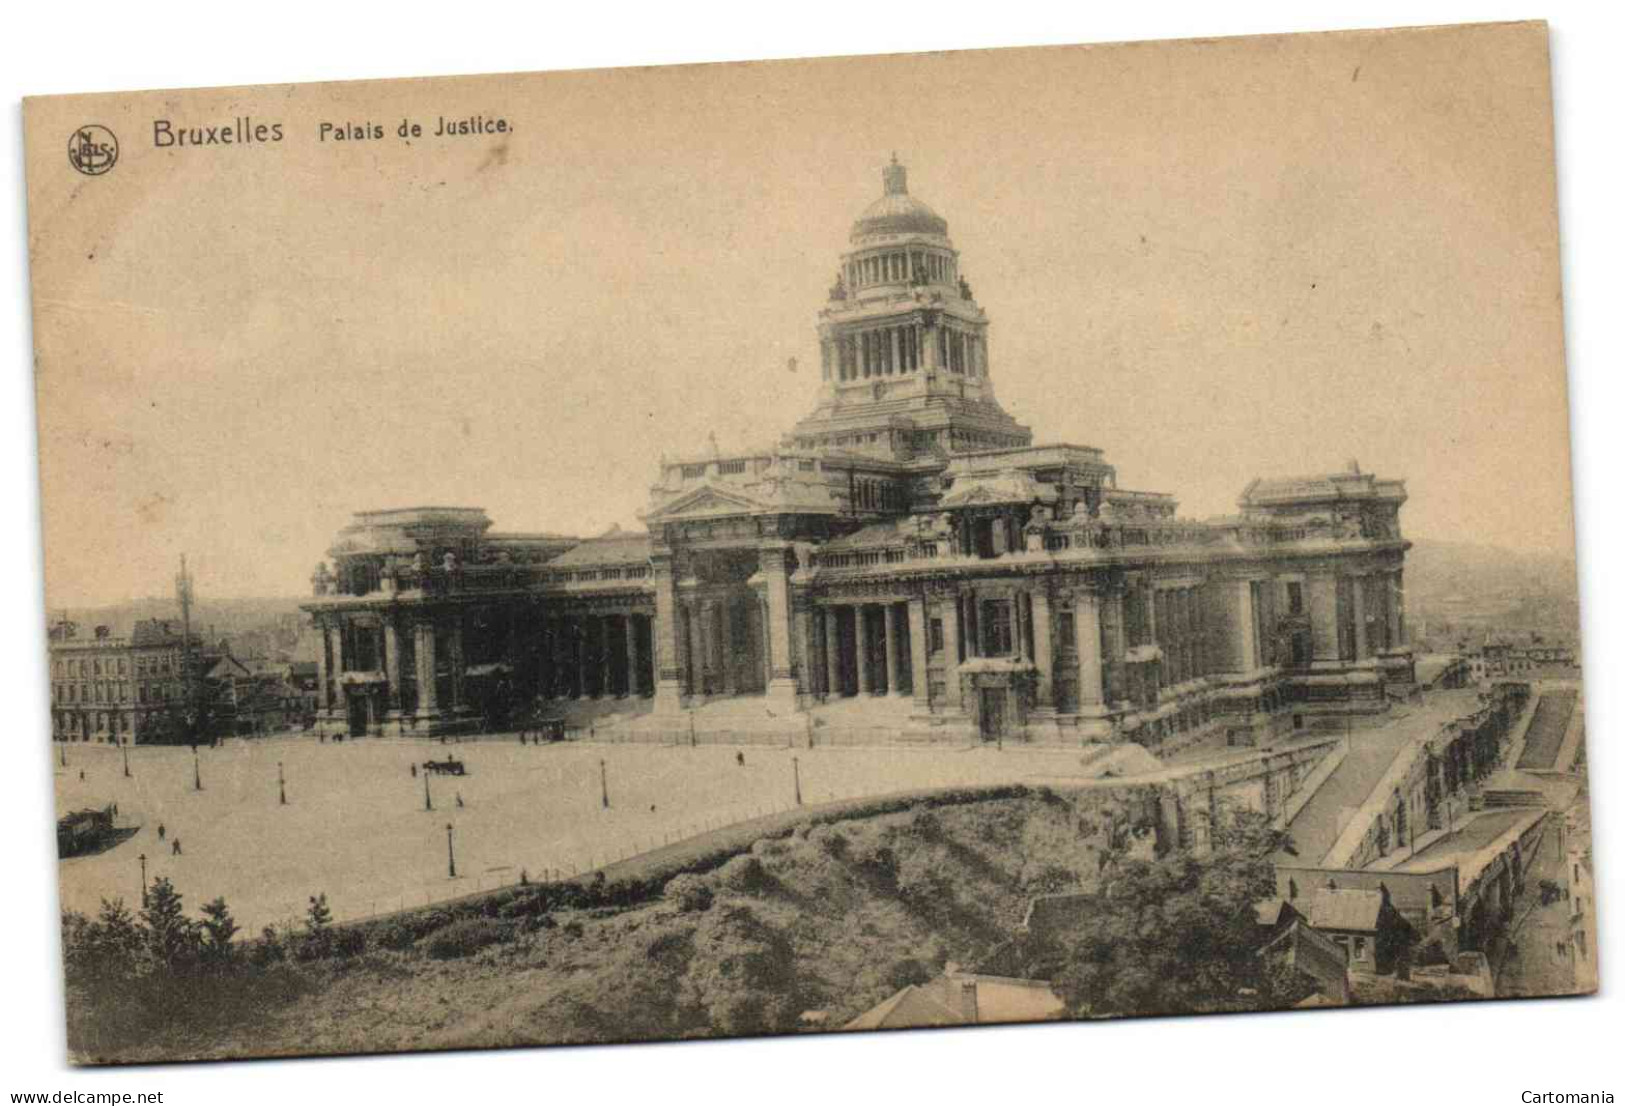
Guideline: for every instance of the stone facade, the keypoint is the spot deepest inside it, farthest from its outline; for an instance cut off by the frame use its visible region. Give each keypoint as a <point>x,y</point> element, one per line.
<point>119,690</point>
<point>906,540</point>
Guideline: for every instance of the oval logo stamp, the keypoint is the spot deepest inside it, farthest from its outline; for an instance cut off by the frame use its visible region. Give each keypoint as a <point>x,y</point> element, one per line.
<point>93,150</point>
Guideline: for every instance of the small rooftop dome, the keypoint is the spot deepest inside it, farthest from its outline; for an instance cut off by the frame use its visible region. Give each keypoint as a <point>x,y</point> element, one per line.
<point>896,212</point>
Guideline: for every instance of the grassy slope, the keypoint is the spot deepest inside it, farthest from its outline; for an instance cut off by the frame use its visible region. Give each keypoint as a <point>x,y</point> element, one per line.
<point>653,970</point>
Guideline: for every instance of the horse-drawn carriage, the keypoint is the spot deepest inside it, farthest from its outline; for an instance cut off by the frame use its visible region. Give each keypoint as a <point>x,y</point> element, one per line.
<point>451,766</point>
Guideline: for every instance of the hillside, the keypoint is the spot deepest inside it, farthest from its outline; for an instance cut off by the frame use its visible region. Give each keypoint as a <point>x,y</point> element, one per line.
<point>1459,588</point>
<point>832,917</point>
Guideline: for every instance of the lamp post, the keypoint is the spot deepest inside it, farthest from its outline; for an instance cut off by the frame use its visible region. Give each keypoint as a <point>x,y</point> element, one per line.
<point>451,857</point>
<point>124,747</point>
<point>281,786</point>
<point>603,782</point>
<point>143,859</point>
<point>795,766</point>
<point>197,775</point>
<point>63,750</point>
<point>428,803</point>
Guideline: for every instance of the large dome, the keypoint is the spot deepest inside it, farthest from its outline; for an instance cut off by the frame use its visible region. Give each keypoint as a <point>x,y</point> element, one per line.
<point>897,212</point>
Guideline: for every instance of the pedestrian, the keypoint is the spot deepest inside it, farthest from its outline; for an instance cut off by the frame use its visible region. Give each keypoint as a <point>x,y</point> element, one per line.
<point>740,757</point>
<point>459,798</point>
<point>414,771</point>
<point>175,848</point>
<point>81,773</point>
<point>160,831</point>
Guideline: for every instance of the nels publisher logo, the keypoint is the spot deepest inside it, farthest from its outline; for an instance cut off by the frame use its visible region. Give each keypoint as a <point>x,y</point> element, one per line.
<point>93,150</point>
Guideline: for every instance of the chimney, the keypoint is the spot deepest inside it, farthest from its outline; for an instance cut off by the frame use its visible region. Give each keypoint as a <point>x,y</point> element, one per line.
<point>966,995</point>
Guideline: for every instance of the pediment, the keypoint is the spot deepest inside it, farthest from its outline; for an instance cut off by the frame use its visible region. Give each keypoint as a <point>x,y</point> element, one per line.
<point>705,502</point>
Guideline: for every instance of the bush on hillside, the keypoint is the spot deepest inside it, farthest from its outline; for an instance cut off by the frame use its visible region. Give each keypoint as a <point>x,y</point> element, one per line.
<point>467,937</point>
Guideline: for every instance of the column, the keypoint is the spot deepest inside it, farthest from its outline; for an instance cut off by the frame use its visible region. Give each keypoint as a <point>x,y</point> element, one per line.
<point>950,654</point>
<point>888,643</point>
<point>324,698</point>
<point>726,611</point>
<point>665,637</point>
<point>1396,610</point>
<point>605,657</point>
<point>428,692</point>
<point>392,664</point>
<point>894,335</point>
<point>764,657</point>
<point>706,644</point>
<point>581,642</point>
<point>1091,687</point>
<point>806,669</point>
<point>695,614</point>
<point>832,651</point>
<point>919,653</point>
<point>1322,597</point>
<point>631,622</point>
<point>861,646</point>
<point>1044,693</point>
<point>457,665</point>
<point>776,584</point>
<point>1244,636</point>
<point>1357,595</point>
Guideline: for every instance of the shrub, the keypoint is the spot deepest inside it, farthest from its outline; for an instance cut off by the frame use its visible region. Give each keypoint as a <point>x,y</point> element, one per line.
<point>907,972</point>
<point>746,875</point>
<point>927,826</point>
<point>833,842</point>
<point>692,894</point>
<point>466,937</point>
<point>1432,954</point>
<point>350,942</point>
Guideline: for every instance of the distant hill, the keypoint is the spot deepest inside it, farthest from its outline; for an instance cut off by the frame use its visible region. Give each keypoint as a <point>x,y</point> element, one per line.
<point>213,618</point>
<point>1460,587</point>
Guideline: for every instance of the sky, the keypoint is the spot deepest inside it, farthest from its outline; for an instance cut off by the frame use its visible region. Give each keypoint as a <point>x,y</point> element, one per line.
<point>1215,260</point>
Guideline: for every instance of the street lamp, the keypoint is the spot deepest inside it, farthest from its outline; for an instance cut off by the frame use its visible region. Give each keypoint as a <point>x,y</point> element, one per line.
<point>281,785</point>
<point>451,857</point>
<point>603,781</point>
<point>124,747</point>
<point>63,750</point>
<point>197,775</point>
<point>143,859</point>
<point>795,765</point>
<point>428,803</point>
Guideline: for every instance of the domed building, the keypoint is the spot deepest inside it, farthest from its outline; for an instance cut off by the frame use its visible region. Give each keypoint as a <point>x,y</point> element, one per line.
<point>905,561</point>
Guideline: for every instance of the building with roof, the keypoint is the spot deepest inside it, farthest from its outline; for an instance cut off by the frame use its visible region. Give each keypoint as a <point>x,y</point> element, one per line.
<point>117,689</point>
<point>906,544</point>
<point>964,998</point>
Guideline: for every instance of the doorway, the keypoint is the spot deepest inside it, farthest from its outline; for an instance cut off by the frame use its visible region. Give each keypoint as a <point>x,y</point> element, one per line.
<point>992,712</point>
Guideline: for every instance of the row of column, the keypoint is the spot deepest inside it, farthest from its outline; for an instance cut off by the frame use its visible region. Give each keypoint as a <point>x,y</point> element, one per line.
<point>851,634</point>
<point>594,657</point>
<point>716,631</point>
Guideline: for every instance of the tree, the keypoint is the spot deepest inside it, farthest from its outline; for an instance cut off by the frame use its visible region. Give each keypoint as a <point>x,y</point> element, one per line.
<point>172,938</point>
<point>219,927</point>
<point>1179,935</point>
<point>318,927</point>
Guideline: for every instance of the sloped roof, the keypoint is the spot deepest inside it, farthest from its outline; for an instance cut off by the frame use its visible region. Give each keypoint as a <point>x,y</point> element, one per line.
<point>1002,487</point>
<point>910,1008</point>
<point>875,535</point>
<point>1345,908</point>
<point>617,549</point>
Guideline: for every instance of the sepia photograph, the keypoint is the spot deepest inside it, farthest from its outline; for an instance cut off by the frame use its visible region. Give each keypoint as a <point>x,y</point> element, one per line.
<point>779,548</point>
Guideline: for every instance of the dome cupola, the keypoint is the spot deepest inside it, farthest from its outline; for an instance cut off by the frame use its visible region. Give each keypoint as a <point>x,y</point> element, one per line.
<point>896,212</point>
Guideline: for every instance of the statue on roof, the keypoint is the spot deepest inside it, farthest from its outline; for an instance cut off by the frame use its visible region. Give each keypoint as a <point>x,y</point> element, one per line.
<point>837,290</point>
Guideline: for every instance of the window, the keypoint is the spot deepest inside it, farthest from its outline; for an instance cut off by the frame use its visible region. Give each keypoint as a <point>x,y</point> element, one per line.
<point>693,472</point>
<point>1067,629</point>
<point>1294,597</point>
<point>997,638</point>
<point>937,644</point>
<point>730,468</point>
<point>1359,948</point>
